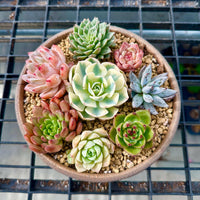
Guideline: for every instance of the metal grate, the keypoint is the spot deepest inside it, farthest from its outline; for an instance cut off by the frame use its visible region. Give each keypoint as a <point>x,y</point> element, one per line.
<point>173,26</point>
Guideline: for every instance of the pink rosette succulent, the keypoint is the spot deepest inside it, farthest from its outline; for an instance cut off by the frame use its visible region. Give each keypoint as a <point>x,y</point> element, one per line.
<point>52,124</point>
<point>128,57</point>
<point>46,71</point>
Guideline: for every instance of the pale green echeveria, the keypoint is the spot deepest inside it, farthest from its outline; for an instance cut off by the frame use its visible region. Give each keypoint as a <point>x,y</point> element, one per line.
<point>96,89</point>
<point>91,151</point>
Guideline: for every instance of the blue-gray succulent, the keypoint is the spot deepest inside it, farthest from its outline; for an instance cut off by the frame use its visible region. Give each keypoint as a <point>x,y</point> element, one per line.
<point>146,90</point>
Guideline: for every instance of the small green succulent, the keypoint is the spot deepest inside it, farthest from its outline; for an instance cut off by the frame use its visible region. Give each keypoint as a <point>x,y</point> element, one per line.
<point>132,132</point>
<point>52,124</point>
<point>146,91</point>
<point>91,151</point>
<point>91,39</point>
<point>95,89</point>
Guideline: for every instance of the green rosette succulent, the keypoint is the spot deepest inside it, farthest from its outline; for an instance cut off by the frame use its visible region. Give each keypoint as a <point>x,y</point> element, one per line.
<point>91,151</point>
<point>95,89</point>
<point>132,132</point>
<point>51,125</point>
<point>91,39</point>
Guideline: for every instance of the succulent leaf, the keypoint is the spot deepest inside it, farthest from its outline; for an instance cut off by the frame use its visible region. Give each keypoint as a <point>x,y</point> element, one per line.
<point>48,131</point>
<point>167,93</point>
<point>144,116</point>
<point>91,39</point>
<point>96,89</point>
<point>137,101</point>
<point>123,96</point>
<point>91,151</point>
<point>148,134</point>
<point>133,78</point>
<point>132,132</point>
<point>157,90</point>
<point>147,92</point>
<point>36,149</point>
<point>146,89</point>
<point>118,120</point>
<point>159,76</point>
<point>158,82</point>
<point>149,145</point>
<point>136,87</point>
<point>150,107</point>
<point>133,151</point>
<point>158,101</point>
<point>141,72</point>
<point>46,71</point>
<point>169,97</point>
<point>147,98</point>
<point>146,76</point>
<point>141,143</point>
<point>132,117</point>
<point>120,142</point>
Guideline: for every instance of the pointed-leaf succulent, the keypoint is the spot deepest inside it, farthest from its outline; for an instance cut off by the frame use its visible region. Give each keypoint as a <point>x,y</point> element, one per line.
<point>46,70</point>
<point>91,39</point>
<point>132,132</point>
<point>91,151</point>
<point>146,90</point>
<point>95,89</point>
<point>52,124</point>
<point>128,57</point>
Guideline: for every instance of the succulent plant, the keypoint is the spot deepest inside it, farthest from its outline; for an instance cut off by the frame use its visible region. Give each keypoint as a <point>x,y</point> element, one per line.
<point>91,39</point>
<point>95,89</point>
<point>46,70</point>
<point>128,57</point>
<point>91,150</point>
<point>132,132</point>
<point>146,91</point>
<point>52,124</point>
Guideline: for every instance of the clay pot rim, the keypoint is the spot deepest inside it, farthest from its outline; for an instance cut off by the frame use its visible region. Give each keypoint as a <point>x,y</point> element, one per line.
<point>128,172</point>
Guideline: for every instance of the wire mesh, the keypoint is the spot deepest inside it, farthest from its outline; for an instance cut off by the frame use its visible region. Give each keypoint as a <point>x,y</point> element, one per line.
<point>172,26</point>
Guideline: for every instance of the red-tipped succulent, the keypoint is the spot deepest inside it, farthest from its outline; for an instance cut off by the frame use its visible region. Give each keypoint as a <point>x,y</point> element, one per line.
<point>46,71</point>
<point>128,57</point>
<point>52,124</point>
<point>132,132</point>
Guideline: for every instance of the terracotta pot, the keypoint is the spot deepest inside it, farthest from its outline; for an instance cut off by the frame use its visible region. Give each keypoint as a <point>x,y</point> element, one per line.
<point>19,99</point>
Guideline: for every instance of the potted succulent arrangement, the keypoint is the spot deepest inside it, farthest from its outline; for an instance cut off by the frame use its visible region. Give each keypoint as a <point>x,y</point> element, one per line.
<point>97,102</point>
